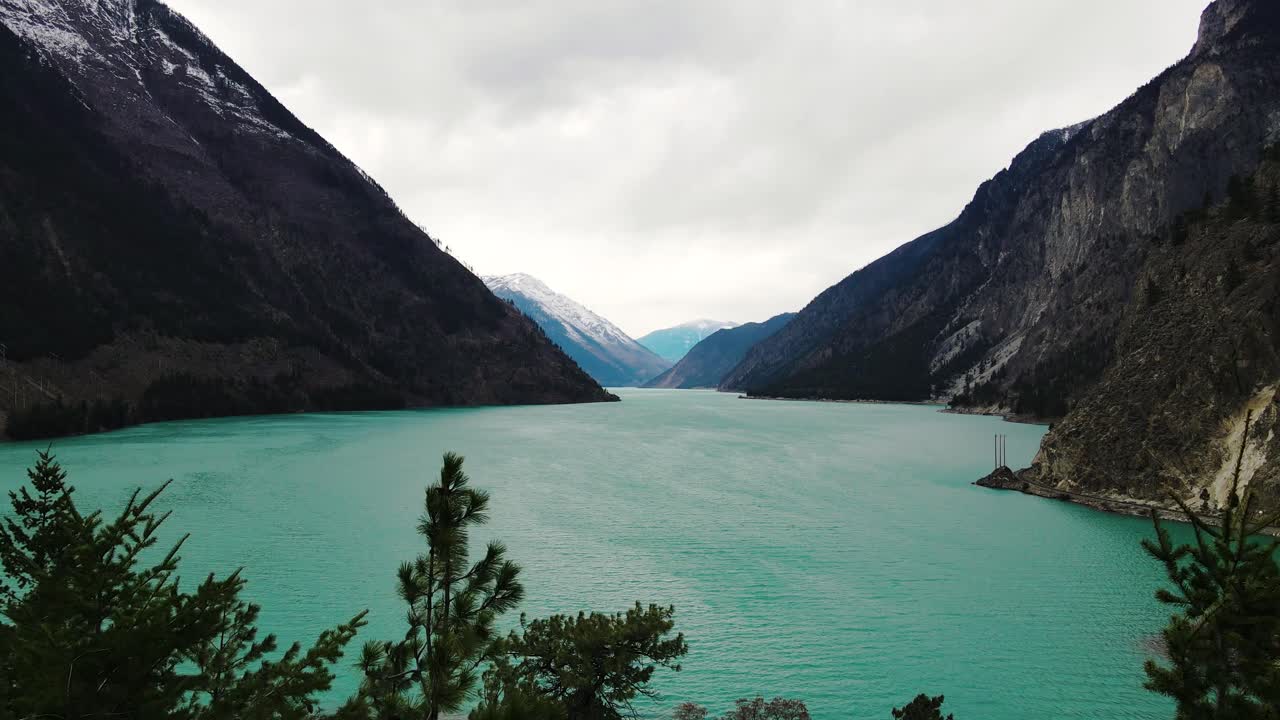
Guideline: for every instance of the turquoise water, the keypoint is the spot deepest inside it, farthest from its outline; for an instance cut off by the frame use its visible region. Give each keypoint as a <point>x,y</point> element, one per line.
<point>832,552</point>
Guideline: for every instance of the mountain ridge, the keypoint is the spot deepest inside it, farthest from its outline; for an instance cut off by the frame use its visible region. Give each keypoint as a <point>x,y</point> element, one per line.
<point>1022,303</point>
<point>706,363</point>
<point>672,343</point>
<point>599,347</point>
<point>178,243</point>
<point>1009,232</point>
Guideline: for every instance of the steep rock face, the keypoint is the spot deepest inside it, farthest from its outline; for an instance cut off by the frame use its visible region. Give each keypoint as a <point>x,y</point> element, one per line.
<point>710,360</point>
<point>674,343</point>
<point>1197,357</point>
<point>165,223</point>
<point>601,348</point>
<point>1016,305</point>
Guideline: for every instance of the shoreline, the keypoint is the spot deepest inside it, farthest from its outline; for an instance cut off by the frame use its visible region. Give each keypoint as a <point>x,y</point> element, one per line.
<point>1004,478</point>
<point>942,407</point>
<point>5,438</point>
<point>927,403</point>
<point>1007,417</point>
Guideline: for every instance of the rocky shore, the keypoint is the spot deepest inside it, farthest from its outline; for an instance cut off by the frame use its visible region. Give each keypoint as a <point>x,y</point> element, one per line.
<point>1004,478</point>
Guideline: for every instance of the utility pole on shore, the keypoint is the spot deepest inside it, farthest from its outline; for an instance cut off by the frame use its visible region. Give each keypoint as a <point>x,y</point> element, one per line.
<point>999,451</point>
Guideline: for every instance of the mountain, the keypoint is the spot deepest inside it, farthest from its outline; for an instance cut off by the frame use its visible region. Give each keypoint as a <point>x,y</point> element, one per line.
<point>607,353</point>
<point>710,360</point>
<point>174,243</point>
<point>674,342</point>
<point>1196,359</point>
<point>1032,301</point>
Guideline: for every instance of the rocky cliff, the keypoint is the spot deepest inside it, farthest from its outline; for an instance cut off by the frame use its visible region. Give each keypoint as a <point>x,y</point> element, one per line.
<point>710,360</point>
<point>1020,296</point>
<point>174,242</point>
<point>1101,277</point>
<point>1197,357</point>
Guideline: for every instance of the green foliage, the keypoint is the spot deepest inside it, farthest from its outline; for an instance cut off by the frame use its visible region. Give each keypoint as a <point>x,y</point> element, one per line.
<point>922,707</point>
<point>689,711</point>
<point>775,709</point>
<point>1223,641</point>
<point>511,694</point>
<point>88,630</point>
<point>756,708</point>
<point>892,368</point>
<point>452,610</point>
<point>182,395</point>
<point>55,419</point>
<point>593,666</point>
<point>1047,391</point>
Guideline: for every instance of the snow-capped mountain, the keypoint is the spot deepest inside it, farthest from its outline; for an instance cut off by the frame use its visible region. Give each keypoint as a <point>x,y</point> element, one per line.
<point>166,223</point>
<point>674,343</point>
<point>138,51</point>
<point>602,349</point>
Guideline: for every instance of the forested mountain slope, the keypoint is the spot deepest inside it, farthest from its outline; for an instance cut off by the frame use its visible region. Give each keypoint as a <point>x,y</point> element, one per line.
<point>174,242</point>
<point>712,358</point>
<point>1197,354</point>
<point>1121,273</point>
<point>1022,293</point>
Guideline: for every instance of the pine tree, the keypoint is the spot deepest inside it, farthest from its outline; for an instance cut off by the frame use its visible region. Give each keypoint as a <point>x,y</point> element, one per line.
<point>689,711</point>
<point>87,631</point>
<point>452,609</point>
<point>775,709</point>
<point>922,707</point>
<point>1223,642</point>
<point>592,665</point>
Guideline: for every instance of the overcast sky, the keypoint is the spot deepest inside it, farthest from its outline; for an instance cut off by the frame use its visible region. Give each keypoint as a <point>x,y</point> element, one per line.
<point>663,160</point>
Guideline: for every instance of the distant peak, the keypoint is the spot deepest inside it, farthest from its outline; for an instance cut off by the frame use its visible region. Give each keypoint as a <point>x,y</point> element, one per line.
<point>514,281</point>
<point>704,323</point>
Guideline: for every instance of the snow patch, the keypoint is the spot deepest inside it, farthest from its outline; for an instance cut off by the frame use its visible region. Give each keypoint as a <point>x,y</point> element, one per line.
<point>54,39</point>
<point>579,322</point>
<point>706,327</point>
<point>197,72</point>
<point>159,35</point>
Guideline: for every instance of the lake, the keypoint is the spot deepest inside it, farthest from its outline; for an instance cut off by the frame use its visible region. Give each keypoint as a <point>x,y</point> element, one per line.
<point>836,553</point>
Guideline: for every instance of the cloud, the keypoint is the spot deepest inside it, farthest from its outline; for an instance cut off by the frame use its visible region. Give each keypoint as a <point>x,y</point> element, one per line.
<point>663,160</point>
